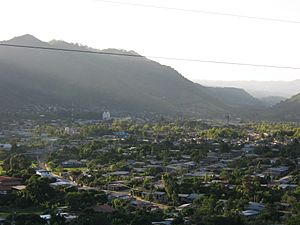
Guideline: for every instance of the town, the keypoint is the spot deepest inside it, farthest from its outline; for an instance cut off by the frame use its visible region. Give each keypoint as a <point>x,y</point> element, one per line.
<point>137,171</point>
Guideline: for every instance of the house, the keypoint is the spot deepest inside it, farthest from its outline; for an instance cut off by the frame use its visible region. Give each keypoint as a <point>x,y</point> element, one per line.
<point>255,206</point>
<point>18,187</point>
<point>188,198</point>
<point>2,220</point>
<point>145,195</point>
<point>44,173</point>
<point>101,151</point>
<point>184,206</point>
<point>226,156</point>
<point>112,196</point>
<point>46,217</point>
<point>121,134</point>
<point>116,186</point>
<point>104,208</point>
<point>68,217</point>
<point>285,180</point>
<point>159,184</point>
<point>6,147</point>
<point>200,174</point>
<point>139,170</point>
<point>138,203</point>
<point>250,213</point>
<point>189,165</point>
<point>288,186</point>
<point>7,183</point>
<point>253,209</point>
<point>62,183</point>
<point>73,164</point>
<point>119,173</point>
<point>277,171</point>
<point>248,149</point>
<point>173,167</point>
<point>165,222</point>
<point>160,197</point>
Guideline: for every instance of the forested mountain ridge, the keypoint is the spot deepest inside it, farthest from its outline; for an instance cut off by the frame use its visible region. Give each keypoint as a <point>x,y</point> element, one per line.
<point>288,110</point>
<point>133,84</point>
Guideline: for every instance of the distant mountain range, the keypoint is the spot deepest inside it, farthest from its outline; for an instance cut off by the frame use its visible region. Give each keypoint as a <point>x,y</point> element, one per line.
<point>259,89</point>
<point>33,79</point>
<point>281,97</point>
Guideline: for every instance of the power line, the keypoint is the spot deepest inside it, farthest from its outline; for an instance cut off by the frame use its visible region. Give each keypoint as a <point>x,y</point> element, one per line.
<point>203,12</point>
<point>153,57</point>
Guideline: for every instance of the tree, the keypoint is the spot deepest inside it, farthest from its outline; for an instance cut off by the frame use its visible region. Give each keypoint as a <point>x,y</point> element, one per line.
<point>138,220</point>
<point>82,199</point>
<point>26,219</point>
<point>74,200</point>
<point>89,218</point>
<point>57,219</point>
<point>38,190</point>
<point>171,186</point>
<point>141,218</point>
<point>16,162</point>
<point>119,204</point>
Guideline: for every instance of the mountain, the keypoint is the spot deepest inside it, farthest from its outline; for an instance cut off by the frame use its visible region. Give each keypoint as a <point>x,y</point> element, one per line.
<point>242,104</point>
<point>288,110</point>
<point>272,100</point>
<point>26,39</point>
<point>259,89</point>
<point>234,97</point>
<point>39,79</point>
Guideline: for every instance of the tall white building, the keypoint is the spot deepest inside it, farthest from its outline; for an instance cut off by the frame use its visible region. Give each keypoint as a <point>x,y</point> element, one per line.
<point>106,115</point>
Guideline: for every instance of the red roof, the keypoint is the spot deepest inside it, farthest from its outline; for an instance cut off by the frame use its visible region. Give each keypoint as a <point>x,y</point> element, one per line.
<point>6,178</point>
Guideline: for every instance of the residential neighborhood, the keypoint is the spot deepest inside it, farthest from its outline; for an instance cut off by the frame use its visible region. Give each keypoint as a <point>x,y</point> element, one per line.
<point>133,171</point>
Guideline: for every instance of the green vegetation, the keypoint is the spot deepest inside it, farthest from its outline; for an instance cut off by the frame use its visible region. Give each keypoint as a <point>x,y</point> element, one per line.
<point>126,172</point>
<point>122,84</point>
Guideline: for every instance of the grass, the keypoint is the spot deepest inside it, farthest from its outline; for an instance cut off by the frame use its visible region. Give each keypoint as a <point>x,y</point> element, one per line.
<point>2,171</point>
<point>74,169</point>
<point>34,165</point>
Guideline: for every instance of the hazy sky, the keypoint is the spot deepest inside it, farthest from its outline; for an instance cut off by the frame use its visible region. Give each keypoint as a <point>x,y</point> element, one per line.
<point>171,33</point>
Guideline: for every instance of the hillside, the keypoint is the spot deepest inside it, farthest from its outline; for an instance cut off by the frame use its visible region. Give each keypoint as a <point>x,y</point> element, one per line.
<point>288,110</point>
<point>34,77</point>
<point>272,100</point>
<point>234,97</point>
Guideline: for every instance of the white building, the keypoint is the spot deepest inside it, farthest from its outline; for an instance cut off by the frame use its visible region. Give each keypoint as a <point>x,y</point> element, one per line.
<point>69,131</point>
<point>44,173</point>
<point>6,147</point>
<point>106,115</point>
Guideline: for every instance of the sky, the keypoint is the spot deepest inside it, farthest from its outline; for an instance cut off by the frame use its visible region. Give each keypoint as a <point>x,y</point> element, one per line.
<point>171,33</point>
